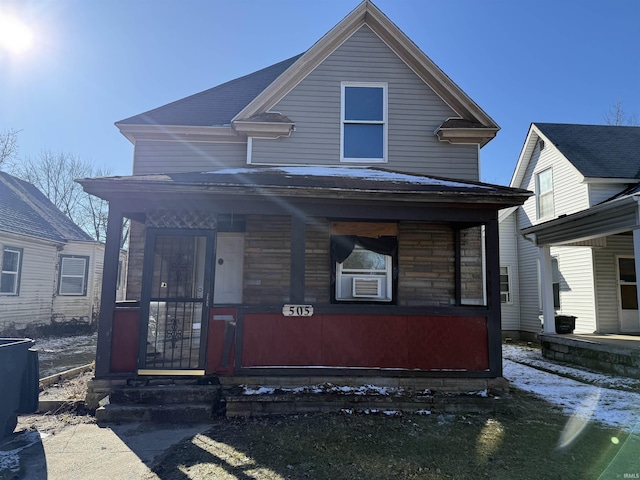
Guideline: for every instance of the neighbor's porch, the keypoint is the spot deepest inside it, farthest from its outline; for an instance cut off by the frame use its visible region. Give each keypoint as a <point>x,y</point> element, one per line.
<point>608,353</point>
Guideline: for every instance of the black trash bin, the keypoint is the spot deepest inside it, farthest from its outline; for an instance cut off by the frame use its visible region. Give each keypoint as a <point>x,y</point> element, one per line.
<point>19,382</point>
<point>565,324</point>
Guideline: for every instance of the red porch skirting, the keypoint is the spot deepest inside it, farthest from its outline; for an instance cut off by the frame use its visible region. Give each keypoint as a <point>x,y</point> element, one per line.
<point>384,341</point>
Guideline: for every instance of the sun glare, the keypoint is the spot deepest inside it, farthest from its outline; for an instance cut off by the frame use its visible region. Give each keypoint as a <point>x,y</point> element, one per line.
<point>15,36</point>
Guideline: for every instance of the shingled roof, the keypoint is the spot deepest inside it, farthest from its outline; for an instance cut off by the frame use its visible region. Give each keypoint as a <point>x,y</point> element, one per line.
<point>597,151</point>
<point>25,210</point>
<point>213,107</point>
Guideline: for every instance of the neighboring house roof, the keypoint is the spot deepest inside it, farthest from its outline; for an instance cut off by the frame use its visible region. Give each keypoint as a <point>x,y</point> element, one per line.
<point>327,182</point>
<point>597,151</point>
<point>216,106</point>
<point>252,96</point>
<point>24,210</point>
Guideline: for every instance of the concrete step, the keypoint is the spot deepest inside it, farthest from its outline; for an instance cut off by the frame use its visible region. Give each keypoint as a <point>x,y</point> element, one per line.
<point>176,413</point>
<point>297,403</point>
<point>165,394</point>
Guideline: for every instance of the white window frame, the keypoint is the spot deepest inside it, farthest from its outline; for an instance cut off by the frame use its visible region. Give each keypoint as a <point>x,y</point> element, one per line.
<point>84,276</point>
<point>506,293</point>
<point>385,275</point>
<point>540,195</point>
<point>384,122</point>
<point>15,273</point>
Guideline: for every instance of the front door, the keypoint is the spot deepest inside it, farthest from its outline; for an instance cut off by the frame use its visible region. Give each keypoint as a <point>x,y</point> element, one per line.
<point>627,286</point>
<point>229,268</point>
<point>175,297</point>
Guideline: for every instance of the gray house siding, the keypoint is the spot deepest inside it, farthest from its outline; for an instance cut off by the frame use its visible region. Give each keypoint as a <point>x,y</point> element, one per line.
<point>414,113</point>
<point>598,193</point>
<point>153,156</point>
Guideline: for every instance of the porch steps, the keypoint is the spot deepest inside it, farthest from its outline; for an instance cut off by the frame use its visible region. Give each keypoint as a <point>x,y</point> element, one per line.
<point>161,401</point>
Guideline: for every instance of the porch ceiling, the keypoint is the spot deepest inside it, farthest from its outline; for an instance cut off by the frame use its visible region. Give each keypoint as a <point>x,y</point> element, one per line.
<point>328,183</point>
<point>610,218</point>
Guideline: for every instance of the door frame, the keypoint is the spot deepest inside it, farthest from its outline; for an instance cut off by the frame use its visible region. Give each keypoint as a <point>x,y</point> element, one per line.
<point>145,298</point>
<point>619,284</point>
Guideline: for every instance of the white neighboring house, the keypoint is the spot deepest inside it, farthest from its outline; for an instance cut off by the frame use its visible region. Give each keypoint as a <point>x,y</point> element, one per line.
<point>50,269</point>
<point>574,247</point>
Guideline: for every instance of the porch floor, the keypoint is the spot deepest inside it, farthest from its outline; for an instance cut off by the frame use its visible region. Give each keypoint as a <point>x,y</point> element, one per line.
<point>609,353</point>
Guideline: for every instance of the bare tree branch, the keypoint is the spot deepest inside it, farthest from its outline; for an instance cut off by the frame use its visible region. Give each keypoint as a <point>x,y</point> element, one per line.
<point>8,145</point>
<point>54,174</point>
<point>616,115</point>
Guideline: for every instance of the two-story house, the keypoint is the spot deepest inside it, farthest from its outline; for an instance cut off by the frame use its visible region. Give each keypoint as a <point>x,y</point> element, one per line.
<point>322,216</point>
<point>573,248</point>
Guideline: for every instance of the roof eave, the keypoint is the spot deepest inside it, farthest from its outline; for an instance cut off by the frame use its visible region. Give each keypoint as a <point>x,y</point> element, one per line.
<point>263,129</point>
<point>135,132</point>
<point>480,136</point>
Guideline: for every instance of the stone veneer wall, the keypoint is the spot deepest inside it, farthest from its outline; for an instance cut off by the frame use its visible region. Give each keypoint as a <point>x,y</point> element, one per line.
<point>135,261</point>
<point>426,264</point>
<point>318,264</point>
<point>267,259</point>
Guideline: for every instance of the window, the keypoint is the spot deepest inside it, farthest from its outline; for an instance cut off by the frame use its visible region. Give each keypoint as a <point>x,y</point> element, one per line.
<point>11,267</point>
<point>544,193</point>
<point>505,291</point>
<point>555,275</point>
<point>364,275</point>
<point>73,275</point>
<point>364,122</point>
<point>628,283</point>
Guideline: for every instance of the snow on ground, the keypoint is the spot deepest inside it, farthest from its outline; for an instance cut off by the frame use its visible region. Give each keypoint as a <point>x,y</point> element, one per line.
<point>585,396</point>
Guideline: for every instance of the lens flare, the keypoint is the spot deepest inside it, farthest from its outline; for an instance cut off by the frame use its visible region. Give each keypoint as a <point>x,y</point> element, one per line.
<point>15,36</point>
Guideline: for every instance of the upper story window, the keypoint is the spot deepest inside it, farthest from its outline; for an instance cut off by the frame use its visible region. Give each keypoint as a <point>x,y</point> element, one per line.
<point>364,122</point>
<point>10,270</point>
<point>74,271</point>
<point>544,193</point>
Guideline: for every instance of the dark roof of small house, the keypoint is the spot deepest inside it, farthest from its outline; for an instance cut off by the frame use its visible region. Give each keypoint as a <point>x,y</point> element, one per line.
<point>215,106</point>
<point>335,180</point>
<point>24,210</point>
<point>597,151</point>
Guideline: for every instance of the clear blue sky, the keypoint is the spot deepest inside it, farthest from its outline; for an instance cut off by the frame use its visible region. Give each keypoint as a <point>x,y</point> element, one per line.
<point>96,62</point>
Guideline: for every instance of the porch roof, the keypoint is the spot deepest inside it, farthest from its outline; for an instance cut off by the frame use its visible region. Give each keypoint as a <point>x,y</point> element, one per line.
<point>608,218</point>
<point>311,182</point>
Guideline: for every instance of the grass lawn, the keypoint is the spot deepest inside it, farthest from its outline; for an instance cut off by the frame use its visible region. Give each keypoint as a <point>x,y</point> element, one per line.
<point>518,443</point>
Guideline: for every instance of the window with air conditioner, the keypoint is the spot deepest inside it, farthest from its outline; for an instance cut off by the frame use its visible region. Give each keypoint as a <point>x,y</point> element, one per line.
<point>364,276</point>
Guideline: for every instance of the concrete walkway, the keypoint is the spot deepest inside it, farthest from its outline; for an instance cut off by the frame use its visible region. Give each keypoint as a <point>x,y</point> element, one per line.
<point>89,451</point>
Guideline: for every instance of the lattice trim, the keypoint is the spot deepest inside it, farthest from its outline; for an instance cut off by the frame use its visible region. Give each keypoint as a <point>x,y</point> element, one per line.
<point>165,218</point>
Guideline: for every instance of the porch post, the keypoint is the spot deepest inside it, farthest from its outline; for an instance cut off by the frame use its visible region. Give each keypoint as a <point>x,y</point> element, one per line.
<point>546,287</point>
<point>108,294</point>
<point>636,256</point>
<point>494,324</point>
<point>298,248</point>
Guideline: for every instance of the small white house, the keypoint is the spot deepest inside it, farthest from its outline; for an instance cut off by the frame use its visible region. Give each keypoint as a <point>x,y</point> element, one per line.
<point>573,248</point>
<point>51,270</point>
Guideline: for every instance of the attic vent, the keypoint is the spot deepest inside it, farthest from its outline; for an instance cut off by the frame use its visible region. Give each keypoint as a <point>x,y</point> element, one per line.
<point>541,144</point>
<point>366,287</point>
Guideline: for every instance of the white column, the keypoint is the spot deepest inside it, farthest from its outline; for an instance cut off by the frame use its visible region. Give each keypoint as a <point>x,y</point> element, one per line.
<point>636,255</point>
<point>546,286</point>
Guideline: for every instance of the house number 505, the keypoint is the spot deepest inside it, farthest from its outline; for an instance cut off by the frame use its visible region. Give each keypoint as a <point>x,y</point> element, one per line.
<point>297,310</point>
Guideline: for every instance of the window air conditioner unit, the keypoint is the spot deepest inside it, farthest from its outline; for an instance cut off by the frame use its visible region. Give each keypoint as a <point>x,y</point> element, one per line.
<point>367,287</point>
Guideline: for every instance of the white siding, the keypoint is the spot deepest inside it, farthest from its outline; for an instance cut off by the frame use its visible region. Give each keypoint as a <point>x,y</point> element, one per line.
<point>528,283</point>
<point>81,307</point>
<point>509,258</point>
<point>37,283</point>
<point>414,113</point>
<point>604,191</point>
<point>607,282</point>
<point>577,294</point>
<point>173,157</point>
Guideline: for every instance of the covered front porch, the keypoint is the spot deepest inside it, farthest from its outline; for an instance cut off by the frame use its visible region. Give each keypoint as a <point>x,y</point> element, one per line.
<point>376,275</point>
<point>590,260</point>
